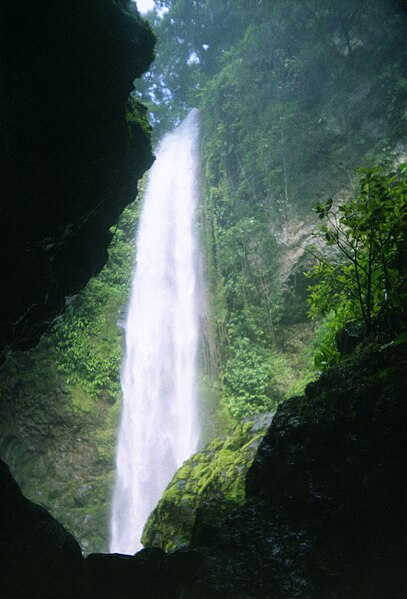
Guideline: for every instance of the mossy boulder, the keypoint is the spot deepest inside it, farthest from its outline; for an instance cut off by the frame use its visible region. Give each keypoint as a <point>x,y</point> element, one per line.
<point>206,488</point>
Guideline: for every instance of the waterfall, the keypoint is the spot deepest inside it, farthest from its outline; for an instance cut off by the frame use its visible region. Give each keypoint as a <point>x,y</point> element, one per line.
<point>159,423</point>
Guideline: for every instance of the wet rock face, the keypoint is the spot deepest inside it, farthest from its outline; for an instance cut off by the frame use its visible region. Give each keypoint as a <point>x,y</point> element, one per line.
<point>72,148</point>
<point>325,512</point>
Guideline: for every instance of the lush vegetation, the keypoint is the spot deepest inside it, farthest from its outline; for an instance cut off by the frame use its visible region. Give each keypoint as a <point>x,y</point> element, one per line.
<point>293,97</point>
<point>59,401</point>
<point>366,279</point>
<point>88,348</point>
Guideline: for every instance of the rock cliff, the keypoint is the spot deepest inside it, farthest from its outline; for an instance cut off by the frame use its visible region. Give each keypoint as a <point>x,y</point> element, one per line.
<point>72,149</point>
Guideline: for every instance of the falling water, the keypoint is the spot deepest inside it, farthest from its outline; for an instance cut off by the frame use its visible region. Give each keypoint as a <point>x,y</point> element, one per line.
<point>159,425</point>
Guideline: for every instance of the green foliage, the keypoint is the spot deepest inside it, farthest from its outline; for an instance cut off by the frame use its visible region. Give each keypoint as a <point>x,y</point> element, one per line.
<point>191,37</point>
<point>248,380</point>
<point>242,258</point>
<point>278,113</point>
<point>58,402</point>
<point>325,352</point>
<point>366,278</point>
<point>248,255</point>
<point>282,106</point>
<point>136,114</point>
<point>292,96</point>
<point>86,340</point>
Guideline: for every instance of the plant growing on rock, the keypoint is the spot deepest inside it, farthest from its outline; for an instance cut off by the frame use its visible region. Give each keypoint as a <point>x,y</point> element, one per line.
<point>364,280</point>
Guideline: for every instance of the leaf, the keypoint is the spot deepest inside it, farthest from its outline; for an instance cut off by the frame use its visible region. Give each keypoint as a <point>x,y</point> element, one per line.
<point>402,338</point>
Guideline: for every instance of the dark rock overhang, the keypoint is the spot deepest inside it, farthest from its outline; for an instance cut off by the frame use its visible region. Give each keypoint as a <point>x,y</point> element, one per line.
<point>72,147</point>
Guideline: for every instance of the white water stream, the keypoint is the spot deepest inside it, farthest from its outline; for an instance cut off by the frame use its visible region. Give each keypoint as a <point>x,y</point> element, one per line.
<point>159,423</point>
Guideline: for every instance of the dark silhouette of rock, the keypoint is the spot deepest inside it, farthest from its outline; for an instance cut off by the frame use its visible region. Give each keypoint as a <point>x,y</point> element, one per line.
<point>72,149</point>
<point>326,495</point>
<point>39,559</point>
<point>149,574</point>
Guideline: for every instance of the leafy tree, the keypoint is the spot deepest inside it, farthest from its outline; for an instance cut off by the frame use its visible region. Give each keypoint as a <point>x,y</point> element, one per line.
<point>292,96</point>
<point>191,38</point>
<point>366,278</point>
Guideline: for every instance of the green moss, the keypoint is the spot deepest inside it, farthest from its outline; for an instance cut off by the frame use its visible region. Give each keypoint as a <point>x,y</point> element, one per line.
<point>212,480</point>
<point>81,401</point>
<point>136,117</point>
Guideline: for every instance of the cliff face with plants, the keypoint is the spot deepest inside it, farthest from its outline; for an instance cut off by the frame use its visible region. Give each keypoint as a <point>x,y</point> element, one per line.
<point>74,144</point>
<point>293,98</point>
<point>60,402</point>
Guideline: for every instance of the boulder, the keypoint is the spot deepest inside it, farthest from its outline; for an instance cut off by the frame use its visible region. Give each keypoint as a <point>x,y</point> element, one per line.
<point>206,488</point>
